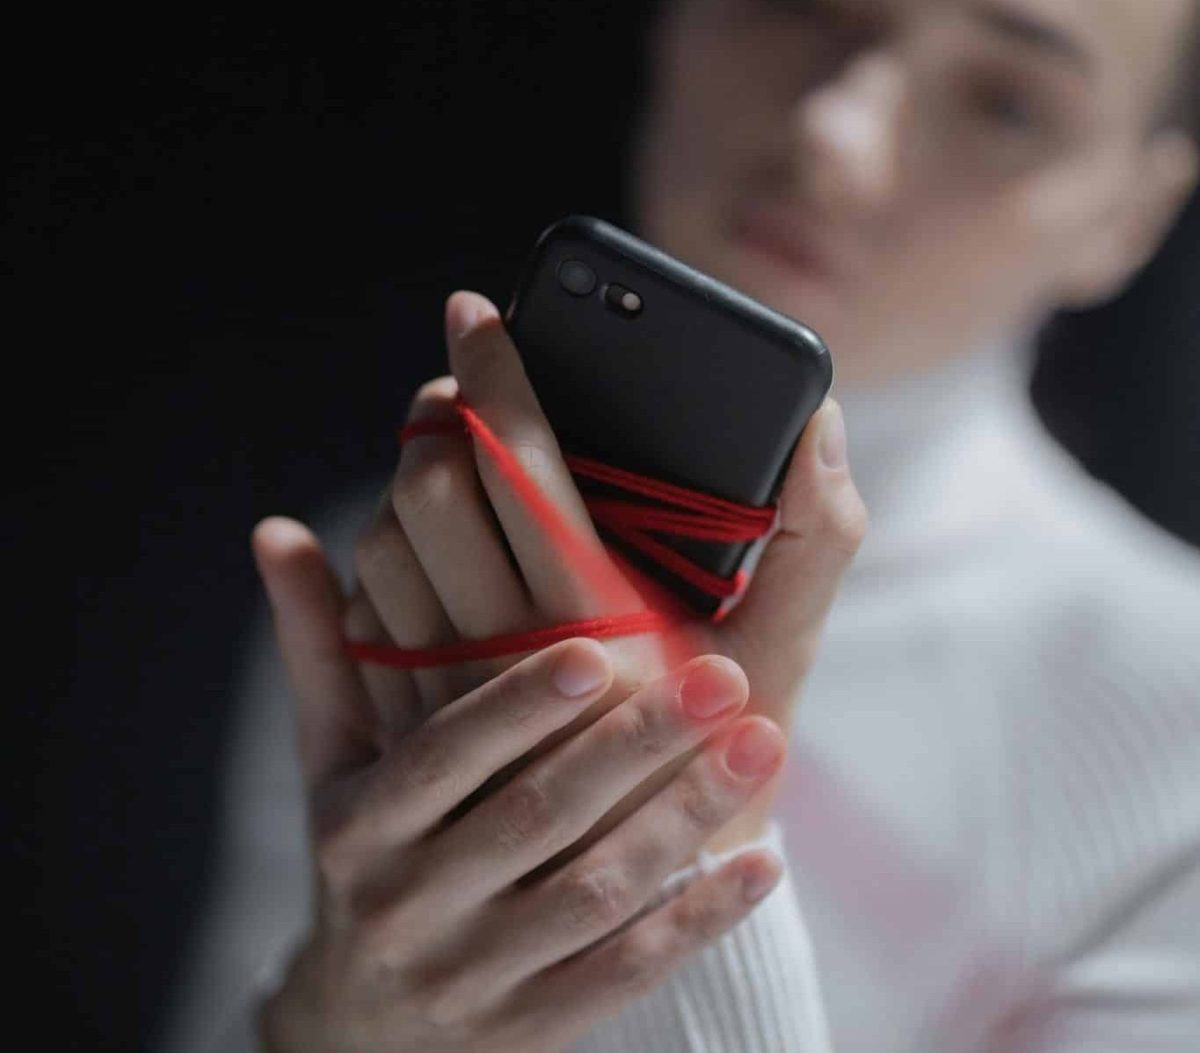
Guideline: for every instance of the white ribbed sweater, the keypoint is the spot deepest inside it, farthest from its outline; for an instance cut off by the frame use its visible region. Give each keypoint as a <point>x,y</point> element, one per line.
<point>991,809</point>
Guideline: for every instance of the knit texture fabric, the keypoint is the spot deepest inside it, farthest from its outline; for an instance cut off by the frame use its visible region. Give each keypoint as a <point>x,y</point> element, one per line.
<point>991,804</point>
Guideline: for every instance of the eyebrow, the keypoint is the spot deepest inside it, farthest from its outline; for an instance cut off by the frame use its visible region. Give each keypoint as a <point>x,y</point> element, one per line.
<point>1032,32</point>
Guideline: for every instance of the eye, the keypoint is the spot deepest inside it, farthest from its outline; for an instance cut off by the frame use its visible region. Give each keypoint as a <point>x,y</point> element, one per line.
<point>824,12</point>
<point>1009,108</point>
<point>795,6</point>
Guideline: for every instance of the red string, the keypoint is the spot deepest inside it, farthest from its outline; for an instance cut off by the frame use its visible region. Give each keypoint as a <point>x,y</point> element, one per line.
<point>696,515</point>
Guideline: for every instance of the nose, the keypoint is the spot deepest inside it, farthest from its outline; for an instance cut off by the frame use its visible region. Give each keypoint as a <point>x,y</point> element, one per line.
<point>848,134</point>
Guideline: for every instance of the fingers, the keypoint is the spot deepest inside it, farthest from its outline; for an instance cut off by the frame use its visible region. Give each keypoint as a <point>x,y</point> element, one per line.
<point>443,509</point>
<point>335,722</point>
<point>821,523</point>
<point>398,706</point>
<point>635,960</point>
<point>405,602</point>
<point>492,379</point>
<point>605,886</point>
<point>428,772</point>
<point>554,801</point>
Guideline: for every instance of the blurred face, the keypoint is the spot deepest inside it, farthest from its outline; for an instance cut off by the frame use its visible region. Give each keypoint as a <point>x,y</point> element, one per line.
<point>912,177</point>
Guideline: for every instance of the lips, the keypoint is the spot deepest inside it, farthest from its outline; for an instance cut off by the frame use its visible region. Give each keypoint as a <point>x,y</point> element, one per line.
<point>785,235</point>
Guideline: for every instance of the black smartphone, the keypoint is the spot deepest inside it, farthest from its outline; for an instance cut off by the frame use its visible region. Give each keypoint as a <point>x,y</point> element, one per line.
<point>645,363</point>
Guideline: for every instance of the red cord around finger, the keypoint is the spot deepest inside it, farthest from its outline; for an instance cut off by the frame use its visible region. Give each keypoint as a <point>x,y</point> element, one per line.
<point>695,515</point>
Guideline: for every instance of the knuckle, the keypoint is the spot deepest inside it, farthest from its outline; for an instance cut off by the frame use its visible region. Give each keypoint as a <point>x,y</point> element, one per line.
<point>392,918</point>
<point>375,920</point>
<point>335,837</point>
<point>596,896</point>
<point>425,763</point>
<point>437,389</point>
<point>845,522</point>
<point>521,709</point>
<point>636,730</point>
<point>444,1008</point>
<point>698,918</point>
<point>333,865</point>
<point>535,454</point>
<point>421,485</point>
<point>640,959</point>
<point>526,813</point>
<point>440,1000</point>
<point>534,450</point>
<point>698,803</point>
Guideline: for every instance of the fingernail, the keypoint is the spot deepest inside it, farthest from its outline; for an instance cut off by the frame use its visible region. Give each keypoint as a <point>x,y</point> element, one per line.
<point>832,444</point>
<point>759,880</point>
<point>754,750</point>
<point>582,669</point>
<point>708,689</point>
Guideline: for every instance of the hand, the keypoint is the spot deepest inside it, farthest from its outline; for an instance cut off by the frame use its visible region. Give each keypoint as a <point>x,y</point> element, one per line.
<point>453,553</point>
<point>439,934</point>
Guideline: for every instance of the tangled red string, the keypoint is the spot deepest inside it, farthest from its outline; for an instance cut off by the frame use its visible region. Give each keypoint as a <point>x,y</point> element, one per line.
<point>696,515</point>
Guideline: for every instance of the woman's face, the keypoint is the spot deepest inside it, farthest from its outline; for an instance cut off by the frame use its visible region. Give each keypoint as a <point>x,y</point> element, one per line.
<point>911,177</point>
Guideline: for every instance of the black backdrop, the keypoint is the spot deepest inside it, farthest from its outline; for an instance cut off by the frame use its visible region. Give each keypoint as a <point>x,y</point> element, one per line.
<point>227,243</point>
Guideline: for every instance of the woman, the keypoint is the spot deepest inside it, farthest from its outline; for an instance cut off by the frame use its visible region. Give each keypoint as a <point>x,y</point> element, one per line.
<point>990,810</point>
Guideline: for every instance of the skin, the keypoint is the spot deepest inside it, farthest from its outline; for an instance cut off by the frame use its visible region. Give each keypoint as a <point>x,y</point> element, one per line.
<point>481,846</point>
<point>433,855</point>
<point>921,148</point>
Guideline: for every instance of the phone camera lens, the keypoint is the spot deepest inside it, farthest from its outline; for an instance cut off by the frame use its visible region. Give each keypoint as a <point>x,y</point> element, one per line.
<point>576,277</point>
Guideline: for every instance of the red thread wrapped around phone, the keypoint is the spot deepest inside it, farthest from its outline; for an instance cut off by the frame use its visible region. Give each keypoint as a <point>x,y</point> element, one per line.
<point>695,515</point>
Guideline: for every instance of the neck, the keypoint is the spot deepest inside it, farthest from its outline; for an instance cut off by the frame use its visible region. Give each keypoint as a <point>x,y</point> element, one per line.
<point>912,441</point>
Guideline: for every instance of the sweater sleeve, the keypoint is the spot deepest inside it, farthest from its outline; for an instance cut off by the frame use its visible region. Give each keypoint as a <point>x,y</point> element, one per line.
<point>754,990</point>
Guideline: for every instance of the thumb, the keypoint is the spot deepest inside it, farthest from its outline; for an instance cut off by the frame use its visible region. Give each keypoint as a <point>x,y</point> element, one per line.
<point>332,706</point>
<point>775,628</point>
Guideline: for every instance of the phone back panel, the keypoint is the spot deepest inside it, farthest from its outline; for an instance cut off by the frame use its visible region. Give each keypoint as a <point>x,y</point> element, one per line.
<point>703,387</point>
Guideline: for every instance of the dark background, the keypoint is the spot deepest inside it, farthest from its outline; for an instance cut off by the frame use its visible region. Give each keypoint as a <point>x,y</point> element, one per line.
<point>227,243</point>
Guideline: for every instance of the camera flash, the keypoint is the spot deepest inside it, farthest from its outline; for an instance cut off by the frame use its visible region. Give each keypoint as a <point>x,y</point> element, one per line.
<point>622,299</point>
